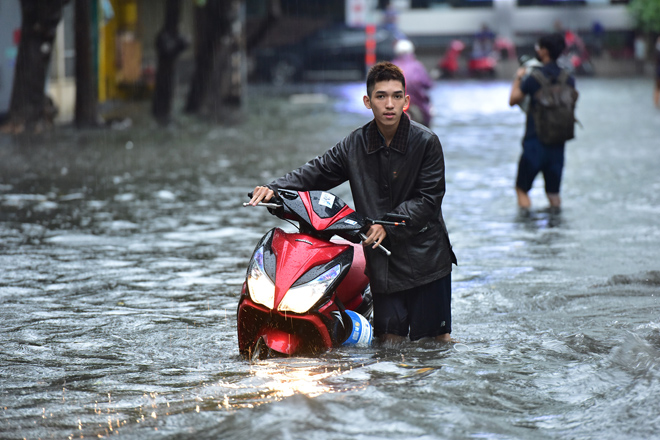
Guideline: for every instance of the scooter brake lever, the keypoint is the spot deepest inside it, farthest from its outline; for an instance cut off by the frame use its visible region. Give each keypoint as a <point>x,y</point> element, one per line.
<point>380,246</point>
<point>265,205</point>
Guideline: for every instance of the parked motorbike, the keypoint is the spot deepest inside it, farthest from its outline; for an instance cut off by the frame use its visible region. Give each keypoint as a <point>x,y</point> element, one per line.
<point>481,66</point>
<point>306,292</point>
<point>449,63</point>
<point>576,61</point>
<point>576,58</point>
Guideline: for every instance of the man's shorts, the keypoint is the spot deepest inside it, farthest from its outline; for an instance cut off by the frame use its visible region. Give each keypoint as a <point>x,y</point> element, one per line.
<point>536,158</point>
<point>420,312</point>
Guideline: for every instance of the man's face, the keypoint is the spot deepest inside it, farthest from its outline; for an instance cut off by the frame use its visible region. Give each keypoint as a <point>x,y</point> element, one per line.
<point>387,102</point>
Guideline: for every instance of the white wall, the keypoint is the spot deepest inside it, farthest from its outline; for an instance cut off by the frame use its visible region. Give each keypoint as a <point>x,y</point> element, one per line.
<point>507,19</point>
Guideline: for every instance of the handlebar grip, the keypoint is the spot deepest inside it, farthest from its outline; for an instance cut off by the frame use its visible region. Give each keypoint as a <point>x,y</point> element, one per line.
<point>265,205</point>
<point>399,217</point>
<point>394,220</point>
<point>276,197</point>
<point>388,223</point>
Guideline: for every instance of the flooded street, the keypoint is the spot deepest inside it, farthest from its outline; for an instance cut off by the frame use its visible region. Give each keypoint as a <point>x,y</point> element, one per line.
<point>122,254</point>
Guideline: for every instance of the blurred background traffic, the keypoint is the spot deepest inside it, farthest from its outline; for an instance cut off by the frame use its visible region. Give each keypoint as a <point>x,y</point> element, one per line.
<point>224,45</point>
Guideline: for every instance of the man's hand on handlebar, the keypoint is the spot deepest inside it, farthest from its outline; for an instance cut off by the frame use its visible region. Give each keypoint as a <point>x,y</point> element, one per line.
<point>261,193</point>
<point>376,234</point>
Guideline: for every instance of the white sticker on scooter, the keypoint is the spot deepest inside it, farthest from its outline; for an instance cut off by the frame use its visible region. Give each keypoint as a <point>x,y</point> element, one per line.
<point>348,221</point>
<point>326,200</point>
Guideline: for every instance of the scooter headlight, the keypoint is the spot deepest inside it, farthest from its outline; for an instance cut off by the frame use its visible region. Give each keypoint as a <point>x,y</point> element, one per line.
<point>261,288</point>
<point>300,299</point>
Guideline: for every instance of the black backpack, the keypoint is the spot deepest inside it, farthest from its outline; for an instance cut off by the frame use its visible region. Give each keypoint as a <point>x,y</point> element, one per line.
<point>554,109</point>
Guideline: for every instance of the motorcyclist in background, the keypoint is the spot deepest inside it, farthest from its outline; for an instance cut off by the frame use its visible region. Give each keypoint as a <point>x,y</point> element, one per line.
<point>418,82</point>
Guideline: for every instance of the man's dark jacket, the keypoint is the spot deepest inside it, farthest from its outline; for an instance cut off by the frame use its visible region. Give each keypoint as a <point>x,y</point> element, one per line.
<point>407,178</point>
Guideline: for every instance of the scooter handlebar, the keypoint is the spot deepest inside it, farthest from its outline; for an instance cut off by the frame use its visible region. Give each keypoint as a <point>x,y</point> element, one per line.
<point>275,198</point>
<point>400,220</point>
<point>264,204</point>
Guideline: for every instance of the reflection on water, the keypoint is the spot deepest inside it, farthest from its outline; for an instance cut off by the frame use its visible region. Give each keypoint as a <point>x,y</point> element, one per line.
<point>123,253</point>
<point>285,383</point>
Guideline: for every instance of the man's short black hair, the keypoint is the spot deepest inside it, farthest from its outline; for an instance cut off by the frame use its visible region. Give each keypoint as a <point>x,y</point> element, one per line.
<point>554,43</point>
<point>384,71</point>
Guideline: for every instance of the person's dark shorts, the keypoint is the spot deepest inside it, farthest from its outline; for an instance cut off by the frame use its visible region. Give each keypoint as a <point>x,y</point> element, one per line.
<point>536,158</point>
<point>421,312</point>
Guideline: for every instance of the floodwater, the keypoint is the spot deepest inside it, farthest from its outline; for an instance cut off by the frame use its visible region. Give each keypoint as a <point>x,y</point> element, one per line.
<point>122,254</point>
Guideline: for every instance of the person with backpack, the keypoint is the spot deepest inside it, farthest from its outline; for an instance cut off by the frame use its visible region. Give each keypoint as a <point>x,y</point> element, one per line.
<point>550,120</point>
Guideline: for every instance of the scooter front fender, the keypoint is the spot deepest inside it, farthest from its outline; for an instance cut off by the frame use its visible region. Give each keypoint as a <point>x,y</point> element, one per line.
<point>280,341</point>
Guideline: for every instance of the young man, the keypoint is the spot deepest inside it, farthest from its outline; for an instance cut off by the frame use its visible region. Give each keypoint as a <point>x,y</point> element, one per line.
<point>536,156</point>
<point>393,165</point>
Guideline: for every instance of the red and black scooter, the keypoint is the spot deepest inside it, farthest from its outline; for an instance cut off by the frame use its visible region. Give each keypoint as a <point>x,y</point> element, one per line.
<point>306,292</point>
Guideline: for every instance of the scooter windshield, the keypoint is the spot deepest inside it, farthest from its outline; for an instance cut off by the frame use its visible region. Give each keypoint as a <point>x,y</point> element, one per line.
<point>322,211</point>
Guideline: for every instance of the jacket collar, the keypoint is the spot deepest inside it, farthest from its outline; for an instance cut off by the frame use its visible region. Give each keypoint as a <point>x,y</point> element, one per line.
<point>399,142</point>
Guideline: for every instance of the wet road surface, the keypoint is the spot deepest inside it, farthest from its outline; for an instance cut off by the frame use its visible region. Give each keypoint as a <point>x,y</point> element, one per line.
<point>122,253</point>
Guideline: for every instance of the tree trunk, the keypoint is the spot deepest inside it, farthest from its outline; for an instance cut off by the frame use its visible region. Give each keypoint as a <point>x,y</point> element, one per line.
<point>257,31</point>
<point>86,100</point>
<point>29,107</point>
<point>219,59</point>
<point>169,44</point>
<point>205,39</point>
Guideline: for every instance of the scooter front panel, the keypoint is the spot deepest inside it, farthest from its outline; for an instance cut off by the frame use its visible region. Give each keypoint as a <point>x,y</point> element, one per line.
<point>296,255</point>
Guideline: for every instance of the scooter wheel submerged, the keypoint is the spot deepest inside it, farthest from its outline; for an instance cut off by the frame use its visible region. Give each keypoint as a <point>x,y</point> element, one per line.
<point>261,351</point>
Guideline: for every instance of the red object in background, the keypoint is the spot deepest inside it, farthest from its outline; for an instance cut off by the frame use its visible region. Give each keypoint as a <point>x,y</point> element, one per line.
<point>504,44</point>
<point>449,63</point>
<point>17,36</point>
<point>370,46</point>
<point>482,64</point>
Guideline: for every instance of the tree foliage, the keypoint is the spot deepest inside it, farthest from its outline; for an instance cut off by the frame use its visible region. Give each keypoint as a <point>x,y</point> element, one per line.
<point>646,13</point>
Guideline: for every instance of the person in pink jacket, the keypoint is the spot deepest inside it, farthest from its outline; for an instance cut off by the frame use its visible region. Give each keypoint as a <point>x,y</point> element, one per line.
<point>418,82</point>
